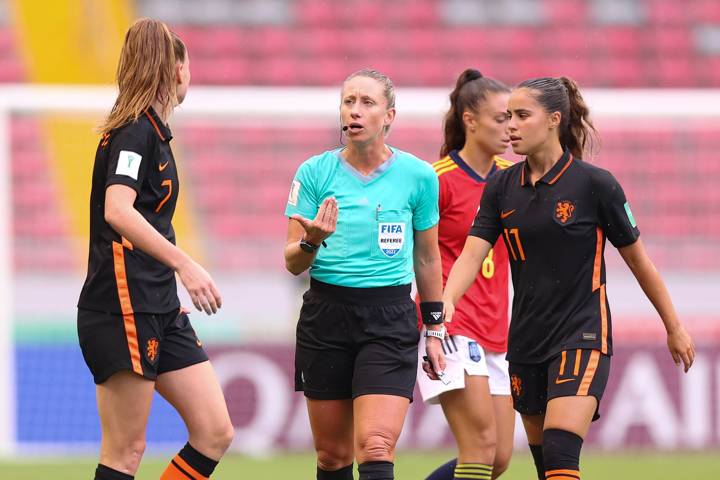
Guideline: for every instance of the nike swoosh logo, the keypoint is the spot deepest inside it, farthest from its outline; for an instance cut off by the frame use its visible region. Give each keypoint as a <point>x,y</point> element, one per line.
<point>558,381</point>
<point>507,214</point>
<point>161,167</point>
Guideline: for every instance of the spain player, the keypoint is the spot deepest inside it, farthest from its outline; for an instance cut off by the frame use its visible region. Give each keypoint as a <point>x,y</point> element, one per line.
<point>475,395</point>
<point>555,213</point>
<point>134,336</point>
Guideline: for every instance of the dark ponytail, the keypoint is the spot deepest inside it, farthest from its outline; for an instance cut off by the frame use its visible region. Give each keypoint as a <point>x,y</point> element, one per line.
<point>577,132</point>
<point>470,89</point>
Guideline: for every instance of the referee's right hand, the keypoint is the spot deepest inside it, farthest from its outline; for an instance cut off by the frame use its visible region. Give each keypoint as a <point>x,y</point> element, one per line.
<point>324,224</point>
<point>198,283</point>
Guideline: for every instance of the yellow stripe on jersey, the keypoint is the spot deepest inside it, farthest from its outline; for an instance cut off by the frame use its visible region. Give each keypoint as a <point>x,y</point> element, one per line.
<point>502,163</point>
<point>446,169</point>
<point>445,162</point>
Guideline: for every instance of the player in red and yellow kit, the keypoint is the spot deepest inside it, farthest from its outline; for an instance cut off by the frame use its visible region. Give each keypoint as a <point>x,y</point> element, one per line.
<point>475,387</point>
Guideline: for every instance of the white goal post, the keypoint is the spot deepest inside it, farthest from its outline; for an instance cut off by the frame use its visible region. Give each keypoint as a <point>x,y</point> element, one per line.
<point>277,106</point>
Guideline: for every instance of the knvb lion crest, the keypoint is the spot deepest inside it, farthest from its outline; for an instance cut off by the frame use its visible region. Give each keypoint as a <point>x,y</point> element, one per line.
<point>151,349</point>
<point>516,385</point>
<point>564,212</point>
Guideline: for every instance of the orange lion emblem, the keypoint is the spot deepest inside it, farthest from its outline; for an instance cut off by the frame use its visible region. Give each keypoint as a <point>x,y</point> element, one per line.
<point>516,385</point>
<point>564,211</point>
<point>152,349</point>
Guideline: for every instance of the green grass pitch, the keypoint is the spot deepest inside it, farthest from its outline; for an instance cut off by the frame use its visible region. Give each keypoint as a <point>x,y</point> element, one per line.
<point>409,466</point>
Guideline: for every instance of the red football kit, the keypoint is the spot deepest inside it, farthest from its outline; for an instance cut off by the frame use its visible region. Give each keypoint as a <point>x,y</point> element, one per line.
<point>482,313</point>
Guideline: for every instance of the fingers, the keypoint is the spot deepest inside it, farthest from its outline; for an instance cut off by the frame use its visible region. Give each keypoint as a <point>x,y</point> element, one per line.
<point>448,311</point>
<point>427,368</point>
<point>333,215</point>
<point>216,295</point>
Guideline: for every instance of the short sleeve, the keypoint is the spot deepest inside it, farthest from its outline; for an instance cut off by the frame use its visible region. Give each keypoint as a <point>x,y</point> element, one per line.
<point>128,159</point>
<point>487,224</point>
<point>426,212</point>
<point>614,214</point>
<point>303,198</point>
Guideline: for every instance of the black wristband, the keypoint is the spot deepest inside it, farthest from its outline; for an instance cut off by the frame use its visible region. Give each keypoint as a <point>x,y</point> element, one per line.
<point>431,313</point>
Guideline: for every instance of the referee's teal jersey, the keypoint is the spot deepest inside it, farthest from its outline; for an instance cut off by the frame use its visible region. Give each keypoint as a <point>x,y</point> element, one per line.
<point>378,214</point>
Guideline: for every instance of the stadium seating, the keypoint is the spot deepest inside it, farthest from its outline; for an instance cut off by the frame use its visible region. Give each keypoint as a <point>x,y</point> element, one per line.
<point>239,197</point>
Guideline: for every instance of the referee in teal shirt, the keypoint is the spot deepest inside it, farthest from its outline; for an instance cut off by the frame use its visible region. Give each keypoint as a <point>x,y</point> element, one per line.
<point>363,219</point>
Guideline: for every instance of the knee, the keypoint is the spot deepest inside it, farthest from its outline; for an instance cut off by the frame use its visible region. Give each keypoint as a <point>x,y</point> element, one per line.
<point>377,446</point>
<point>333,457</point>
<point>124,456</point>
<point>223,436</point>
<point>501,464</point>
<point>214,439</point>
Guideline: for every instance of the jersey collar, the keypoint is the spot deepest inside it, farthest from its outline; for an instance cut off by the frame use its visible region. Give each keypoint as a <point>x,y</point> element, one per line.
<point>160,128</point>
<point>382,168</point>
<point>553,174</point>
<point>455,155</point>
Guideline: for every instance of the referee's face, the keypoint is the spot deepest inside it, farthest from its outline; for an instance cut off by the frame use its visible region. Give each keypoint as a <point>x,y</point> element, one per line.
<point>531,127</point>
<point>363,109</point>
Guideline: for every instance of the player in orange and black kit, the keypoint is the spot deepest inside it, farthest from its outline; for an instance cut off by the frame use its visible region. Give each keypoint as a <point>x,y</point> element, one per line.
<point>475,391</point>
<point>134,335</point>
<point>555,213</point>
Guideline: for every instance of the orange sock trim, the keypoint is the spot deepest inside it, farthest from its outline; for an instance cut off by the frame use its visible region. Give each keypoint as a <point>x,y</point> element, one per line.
<point>180,470</point>
<point>562,475</point>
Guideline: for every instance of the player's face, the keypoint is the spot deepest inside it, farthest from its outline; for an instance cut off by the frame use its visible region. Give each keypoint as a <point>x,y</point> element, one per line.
<point>490,124</point>
<point>364,109</point>
<point>531,127</point>
<point>183,76</point>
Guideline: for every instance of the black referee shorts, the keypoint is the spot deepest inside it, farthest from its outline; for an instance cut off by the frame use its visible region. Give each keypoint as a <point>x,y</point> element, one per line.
<point>574,372</point>
<point>147,344</point>
<point>356,341</point>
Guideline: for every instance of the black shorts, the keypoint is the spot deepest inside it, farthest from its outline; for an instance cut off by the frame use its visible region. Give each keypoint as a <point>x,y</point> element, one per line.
<point>147,344</point>
<point>573,372</point>
<point>356,341</point>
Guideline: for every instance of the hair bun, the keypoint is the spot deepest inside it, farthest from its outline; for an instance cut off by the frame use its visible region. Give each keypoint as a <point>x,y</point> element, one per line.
<point>468,75</point>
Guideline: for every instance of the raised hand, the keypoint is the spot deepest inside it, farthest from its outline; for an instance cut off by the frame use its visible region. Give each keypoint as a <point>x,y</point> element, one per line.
<point>324,223</point>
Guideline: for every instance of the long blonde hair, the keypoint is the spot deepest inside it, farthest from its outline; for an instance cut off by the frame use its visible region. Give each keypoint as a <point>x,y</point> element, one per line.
<point>146,71</point>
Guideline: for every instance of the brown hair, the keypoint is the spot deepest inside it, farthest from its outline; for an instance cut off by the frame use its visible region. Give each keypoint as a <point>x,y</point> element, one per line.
<point>577,132</point>
<point>382,79</point>
<point>470,90</point>
<point>146,71</point>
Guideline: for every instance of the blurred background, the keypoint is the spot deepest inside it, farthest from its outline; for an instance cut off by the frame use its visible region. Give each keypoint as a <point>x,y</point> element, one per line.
<point>266,77</point>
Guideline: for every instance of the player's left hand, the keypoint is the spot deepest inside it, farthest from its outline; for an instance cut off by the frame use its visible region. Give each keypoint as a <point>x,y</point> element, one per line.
<point>681,347</point>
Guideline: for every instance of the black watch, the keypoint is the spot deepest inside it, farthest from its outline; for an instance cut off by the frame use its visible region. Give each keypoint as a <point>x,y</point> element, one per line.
<point>308,247</point>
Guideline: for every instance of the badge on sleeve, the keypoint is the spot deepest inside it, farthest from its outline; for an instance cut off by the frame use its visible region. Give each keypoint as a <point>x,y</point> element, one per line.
<point>294,193</point>
<point>128,164</point>
<point>391,237</point>
<point>633,223</point>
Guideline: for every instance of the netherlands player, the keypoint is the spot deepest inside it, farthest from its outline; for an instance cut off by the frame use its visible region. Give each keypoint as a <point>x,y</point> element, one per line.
<point>555,213</point>
<point>134,336</point>
<point>375,217</point>
<point>476,395</point>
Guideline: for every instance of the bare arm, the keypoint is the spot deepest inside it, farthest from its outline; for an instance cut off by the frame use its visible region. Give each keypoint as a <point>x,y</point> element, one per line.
<point>464,272</point>
<point>428,276</point>
<point>122,216</point>
<point>679,342</point>
<point>315,232</point>
<point>428,269</point>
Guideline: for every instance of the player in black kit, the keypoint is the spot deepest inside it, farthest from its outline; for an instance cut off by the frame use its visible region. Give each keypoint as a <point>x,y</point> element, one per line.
<point>555,213</point>
<point>134,335</point>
